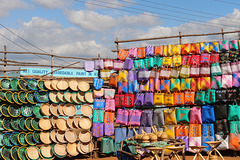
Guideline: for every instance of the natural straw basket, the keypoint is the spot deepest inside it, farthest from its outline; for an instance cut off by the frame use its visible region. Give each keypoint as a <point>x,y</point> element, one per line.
<point>73,84</point>
<point>70,136</point>
<point>76,121</point>
<point>89,97</point>
<point>69,109</point>
<point>72,149</point>
<point>47,84</point>
<point>45,137</point>
<point>60,136</point>
<point>54,121</point>
<point>60,150</point>
<point>54,84</point>
<point>85,136</point>
<point>32,153</point>
<point>62,85</point>
<point>60,95</point>
<point>54,109</point>
<point>45,109</point>
<point>45,123</point>
<point>86,110</point>
<point>70,122</point>
<point>46,151</point>
<point>85,123</point>
<point>81,96</point>
<point>87,147</point>
<point>53,97</point>
<point>67,96</point>
<point>74,98</point>
<point>60,109</point>
<point>61,124</point>
<point>83,86</point>
<point>53,135</point>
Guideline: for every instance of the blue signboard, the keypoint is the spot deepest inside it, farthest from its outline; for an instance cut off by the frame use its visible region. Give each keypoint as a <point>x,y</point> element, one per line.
<point>60,73</point>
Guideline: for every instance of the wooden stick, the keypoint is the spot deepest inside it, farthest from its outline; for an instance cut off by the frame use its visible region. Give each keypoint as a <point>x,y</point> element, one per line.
<point>5,58</point>
<point>11,70</point>
<point>9,64</point>
<point>16,61</point>
<point>60,68</point>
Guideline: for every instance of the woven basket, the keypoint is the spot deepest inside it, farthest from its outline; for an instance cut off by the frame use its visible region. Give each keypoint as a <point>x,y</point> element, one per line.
<point>83,86</point>
<point>5,83</point>
<point>45,123</point>
<point>14,154</point>
<point>2,95</point>
<point>60,150</point>
<point>45,109</point>
<point>54,109</point>
<point>72,149</point>
<point>28,124</point>
<point>70,136</point>
<point>54,121</point>
<point>67,96</point>
<point>4,110</point>
<point>61,124</point>
<point>14,84</point>
<point>76,121</point>
<point>53,97</point>
<point>85,123</point>
<point>62,85</point>
<point>15,124</point>
<point>79,148</point>
<point>1,124</point>
<point>86,110</point>
<point>46,151</point>
<point>22,84</point>
<point>89,97</point>
<point>37,111</point>
<point>75,98</point>
<point>69,109</point>
<point>60,109</point>
<point>27,110</point>
<point>47,84</point>
<point>85,136</point>
<point>32,153</point>
<point>21,153</point>
<point>13,110</point>
<point>87,147</point>
<point>22,124</point>
<point>1,139</point>
<point>7,139</point>
<point>21,138</point>
<point>70,122</point>
<point>41,96</point>
<point>32,84</point>
<point>60,95</point>
<point>9,96</point>
<point>14,138</point>
<point>45,137</point>
<point>35,124</point>
<point>53,135</point>
<point>6,123</point>
<point>6,153</point>
<point>31,97</point>
<point>60,136</point>
<point>81,96</point>
<point>36,137</point>
<point>29,139</point>
<point>15,99</point>
<point>73,84</point>
<point>22,97</point>
<point>41,86</point>
<point>54,84</point>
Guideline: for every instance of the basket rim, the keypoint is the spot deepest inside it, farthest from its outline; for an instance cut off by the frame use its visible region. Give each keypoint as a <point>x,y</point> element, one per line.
<point>21,79</point>
<point>28,98</point>
<point>40,80</point>
<point>12,149</point>
<point>1,83</point>
<point>11,96</point>
<point>2,111</point>
<point>31,79</point>
<point>31,144</point>
<point>24,138</point>
<point>16,93</point>
<point>19,112</point>
<point>19,93</point>
<point>36,96</point>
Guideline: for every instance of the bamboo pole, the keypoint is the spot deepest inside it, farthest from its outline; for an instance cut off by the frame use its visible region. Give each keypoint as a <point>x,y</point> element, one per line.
<point>180,38</point>
<point>12,70</point>
<point>60,69</point>
<point>13,61</point>
<point>52,63</point>
<point>32,65</point>
<point>222,34</point>
<point>5,62</point>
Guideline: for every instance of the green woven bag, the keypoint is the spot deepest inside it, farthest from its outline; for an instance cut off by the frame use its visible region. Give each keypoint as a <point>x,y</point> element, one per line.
<point>183,114</point>
<point>107,145</point>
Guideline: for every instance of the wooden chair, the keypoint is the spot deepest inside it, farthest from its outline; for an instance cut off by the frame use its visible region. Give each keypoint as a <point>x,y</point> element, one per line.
<point>198,150</point>
<point>213,145</point>
<point>175,150</point>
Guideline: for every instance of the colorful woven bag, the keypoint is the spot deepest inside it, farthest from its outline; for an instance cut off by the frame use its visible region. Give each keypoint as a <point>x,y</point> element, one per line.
<point>175,85</point>
<point>216,82</point>
<point>185,84</point>
<point>205,83</point>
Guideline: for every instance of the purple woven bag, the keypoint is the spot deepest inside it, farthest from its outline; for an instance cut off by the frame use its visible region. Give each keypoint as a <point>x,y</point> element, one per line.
<point>98,64</point>
<point>109,129</point>
<point>128,64</point>
<point>145,129</point>
<point>89,66</point>
<point>148,100</point>
<point>97,129</point>
<point>147,118</point>
<point>236,80</point>
<point>122,116</point>
<point>143,74</point>
<point>134,117</point>
<point>139,99</point>
<point>185,139</point>
<point>150,51</point>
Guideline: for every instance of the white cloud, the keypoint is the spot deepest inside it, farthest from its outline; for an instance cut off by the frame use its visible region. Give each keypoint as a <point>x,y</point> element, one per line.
<point>51,4</point>
<point>90,4</point>
<point>7,5</point>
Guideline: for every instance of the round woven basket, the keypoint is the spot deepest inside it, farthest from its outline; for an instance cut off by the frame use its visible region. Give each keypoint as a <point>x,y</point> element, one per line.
<point>67,96</point>
<point>5,83</point>
<point>89,97</point>
<point>79,148</point>
<point>29,139</point>
<point>4,110</point>
<point>6,123</point>
<point>70,122</point>
<point>15,124</point>
<point>60,95</point>
<point>15,98</point>
<point>9,96</point>
<point>21,153</point>
<point>22,97</point>
<point>14,138</point>
<point>70,136</point>
<point>61,124</point>
<point>21,138</point>
<point>45,109</point>
<point>85,123</point>
<point>53,135</point>
<point>41,96</point>
<point>86,110</point>
<point>47,84</point>
<point>22,124</point>
<point>35,124</point>
<point>60,150</point>
<point>14,84</point>
<point>85,136</point>
<point>32,84</point>
<point>13,110</point>
<point>54,121</point>
<point>32,153</point>
<point>45,123</point>
<point>2,95</point>
<point>60,109</point>
<point>54,109</point>
<point>7,139</point>
<point>72,149</point>
<point>46,151</point>
<point>81,96</point>
<point>62,84</point>
<point>14,154</point>
<point>69,109</point>
<point>76,121</point>
<point>53,97</point>
<point>28,124</point>
<point>54,84</point>
<point>60,136</point>
<point>87,147</point>
<point>1,139</point>
<point>45,137</point>
<point>1,124</point>
<point>83,86</point>
<point>22,84</point>
<point>73,84</point>
<point>75,98</point>
<point>27,110</point>
<point>31,97</point>
<point>6,153</point>
<point>36,137</point>
<point>41,86</point>
<point>37,111</point>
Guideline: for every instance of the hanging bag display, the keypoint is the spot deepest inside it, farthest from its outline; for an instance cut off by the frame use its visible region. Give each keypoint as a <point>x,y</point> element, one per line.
<point>129,100</point>
<point>97,83</point>
<point>123,76</point>
<point>122,54</point>
<point>186,59</point>
<point>195,48</point>
<point>194,70</point>
<point>144,86</point>
<point>108,64</point>
<point>205,70</point>
<point>110,105</point>
<point>225,141</point>
<point>231,95</point>
<point>233,55</point>
<point>122,87</point>
<point>170,117</point>
<point>205,83</point>
<point>185,71</point>
<point>214,58</point>
<point>148,99</point>
<point>183,114</point>
<point>141,52</point>
<point>210,97</point>
<point>200,98</point>
<point>216,82</point>
<point>158,98</point>
<point>147,117</point>
<point>175,72</point>
<point>119,100</point>
<point>168,99</point>
<point>226,81</point>
<point>233,45</point>
<point>220,95</point>
<point>226,68</point>
<point>204,58</point>
<point>185,84</point>
<point>143,74</point>
<point>138,63</point>
<point>105,74</point>
<point>113,80</point>
<point>139,99</point>
<point>177,60</point>
<point>157,84</point>
<point>170,131</point>
<point>204,47</point>
<point>132,53</point>
<point>158,50</point>
<point>234,136</point>
<point>175,85</point>
<point>108,129</point>
<point>165,72</point>
<point>98,115</point>
<point>151,85</point>
<point>195,115</point>
<point>207,135</point>
<point>128,64</point>
<point>208,115</point>
<point>221,111</point>
<point>97,129</point>
<point>165,85</point>
<point>118,65</point>
<point>89,66</point>
<point>223,57</point>
<point>221,127</point>
<point>134,117</point>
<point>98,64</point>
<point>167,61</point>
<point>174,49</point>
<point>109,93</point>
<point>213,46</point>
<point>178,98</point>
<point>149,62</point>
<point>99,103</point>
<point>234,112</point>
<point>195,58</point>
<point>158,117</point>
<point>120,134</point>
<point>189,97</point>
<point>181,132</point>
<point>215,69</point>
<point>195,84</point>
<point>109,117</point>
<point>224,45</point>
<point>149,50</point>
<point>234,67</point>
<point>122,116</point>
<point>186,49</point>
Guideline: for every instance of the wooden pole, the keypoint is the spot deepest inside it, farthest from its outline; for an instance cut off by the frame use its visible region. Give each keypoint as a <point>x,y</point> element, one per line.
<point>60,68</point>
<point>222,35</point>
<point>52,63</point>
<point>180,38</point>
<point>5,61</point>
<point>117,43</point>
<point>37,65</point>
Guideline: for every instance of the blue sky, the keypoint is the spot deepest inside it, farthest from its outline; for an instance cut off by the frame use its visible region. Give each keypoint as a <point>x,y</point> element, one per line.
<point>78,28</point>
